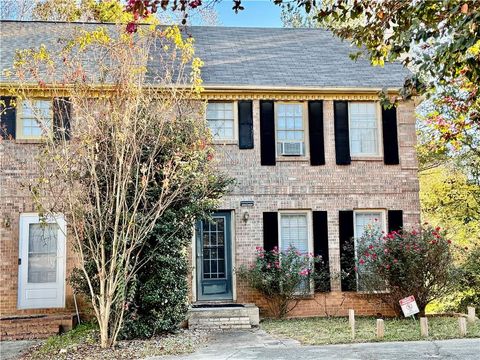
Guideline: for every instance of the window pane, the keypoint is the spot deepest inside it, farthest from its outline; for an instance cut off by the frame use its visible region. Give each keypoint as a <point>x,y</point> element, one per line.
<point>294,232</point>
<point>42,253</point>
<point>35,114</point>
<point>290,127</point>
<point>220,120</point>
<point>363,128</point>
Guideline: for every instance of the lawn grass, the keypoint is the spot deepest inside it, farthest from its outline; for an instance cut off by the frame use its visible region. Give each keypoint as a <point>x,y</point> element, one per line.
<point>319,331</point>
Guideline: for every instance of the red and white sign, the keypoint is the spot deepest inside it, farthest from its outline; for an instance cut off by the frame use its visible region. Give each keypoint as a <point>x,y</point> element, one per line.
<point>409,306</point>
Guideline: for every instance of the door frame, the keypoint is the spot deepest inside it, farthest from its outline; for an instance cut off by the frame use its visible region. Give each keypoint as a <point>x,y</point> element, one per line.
<point>34,218</point>
<point>194,278</point>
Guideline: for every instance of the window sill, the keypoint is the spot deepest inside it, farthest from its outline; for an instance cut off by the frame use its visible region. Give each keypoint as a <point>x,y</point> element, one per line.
<point>367,158</point>
<point>30,141</point>
<point>224,142</point>
<point>293,159</point>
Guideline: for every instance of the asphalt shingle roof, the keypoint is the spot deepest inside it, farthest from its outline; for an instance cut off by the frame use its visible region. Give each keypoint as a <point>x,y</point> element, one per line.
<point>243,57</point>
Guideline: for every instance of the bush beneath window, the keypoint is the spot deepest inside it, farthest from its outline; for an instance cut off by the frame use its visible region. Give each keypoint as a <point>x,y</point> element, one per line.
<point>400,264</point>
<point>284,277</point>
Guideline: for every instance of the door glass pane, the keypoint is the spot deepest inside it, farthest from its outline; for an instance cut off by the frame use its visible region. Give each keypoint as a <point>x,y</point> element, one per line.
<point>214,249</point>
<point>42,253</point>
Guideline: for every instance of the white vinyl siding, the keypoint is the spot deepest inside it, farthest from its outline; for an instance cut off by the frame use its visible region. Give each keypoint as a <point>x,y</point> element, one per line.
<point>363,128</point>
<point>35,118</point>
<point>290,129</point>
<point>221,120</point>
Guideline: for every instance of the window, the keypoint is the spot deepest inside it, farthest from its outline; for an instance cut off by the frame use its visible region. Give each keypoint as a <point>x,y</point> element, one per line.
<point>363,127</point>
<point>35,118</point>
<point>295,232</point>
<point>221,120</point>
<point>362,220</point>
<point>290,129</point>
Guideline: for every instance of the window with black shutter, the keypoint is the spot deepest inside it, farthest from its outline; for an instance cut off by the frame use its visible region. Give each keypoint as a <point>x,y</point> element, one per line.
<point>390,136</point>
<point>320,248</point>
<point>8,113</point>
<point>267,133</point>
<point>342,139</point>
<point>245,124</point>
<point>270,230</point>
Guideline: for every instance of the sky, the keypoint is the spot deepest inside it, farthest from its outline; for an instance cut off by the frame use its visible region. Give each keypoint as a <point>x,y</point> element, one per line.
<point>257,13</point>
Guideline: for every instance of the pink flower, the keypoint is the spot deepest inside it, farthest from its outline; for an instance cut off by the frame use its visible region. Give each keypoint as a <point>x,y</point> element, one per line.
<point>437,228</point>
<point>131,27</point>
<point>387,267</point>
<point>370,247</point>
<point>277,264</point>
<point>355,268</point>
<point>361,262</point>
<point>395,261</point>
<point>268,266</point>
<point>449,241</point>
<point>385,251</point>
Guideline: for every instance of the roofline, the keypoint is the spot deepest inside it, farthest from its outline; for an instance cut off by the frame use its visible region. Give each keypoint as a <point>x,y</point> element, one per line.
<point>228,88</point>
<point>187,26</point>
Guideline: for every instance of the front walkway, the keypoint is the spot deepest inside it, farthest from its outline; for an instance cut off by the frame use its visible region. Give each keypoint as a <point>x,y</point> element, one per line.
<point>256,344</point>
<point>13,349</point>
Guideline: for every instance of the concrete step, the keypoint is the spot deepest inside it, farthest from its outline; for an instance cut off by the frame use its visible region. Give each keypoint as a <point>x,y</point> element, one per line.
<point>223,316</point>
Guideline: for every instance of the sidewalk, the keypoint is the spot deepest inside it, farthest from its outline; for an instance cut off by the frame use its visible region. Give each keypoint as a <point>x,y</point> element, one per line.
<point>251,345</point>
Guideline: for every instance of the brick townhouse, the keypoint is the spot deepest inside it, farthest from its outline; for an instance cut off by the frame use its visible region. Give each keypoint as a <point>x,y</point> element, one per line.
<point>298,125</point>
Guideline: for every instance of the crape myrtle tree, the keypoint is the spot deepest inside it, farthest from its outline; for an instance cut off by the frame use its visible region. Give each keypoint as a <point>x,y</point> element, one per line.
<point>126,159</point>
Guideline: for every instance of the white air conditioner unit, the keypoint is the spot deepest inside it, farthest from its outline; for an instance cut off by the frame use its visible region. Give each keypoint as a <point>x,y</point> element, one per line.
<point>290,148</point>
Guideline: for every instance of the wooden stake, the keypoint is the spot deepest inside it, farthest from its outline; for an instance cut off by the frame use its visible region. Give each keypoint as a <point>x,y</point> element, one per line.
<point>380,328</point>
<point>424,326</point>
<point>351,321</point>
<point>471,314</point>
<point>462,324</point>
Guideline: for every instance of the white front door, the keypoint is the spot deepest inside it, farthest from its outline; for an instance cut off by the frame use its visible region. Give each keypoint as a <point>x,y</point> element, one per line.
<point>41,270</point>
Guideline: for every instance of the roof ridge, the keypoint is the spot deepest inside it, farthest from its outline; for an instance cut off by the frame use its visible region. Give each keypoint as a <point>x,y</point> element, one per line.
<point>147,24</point>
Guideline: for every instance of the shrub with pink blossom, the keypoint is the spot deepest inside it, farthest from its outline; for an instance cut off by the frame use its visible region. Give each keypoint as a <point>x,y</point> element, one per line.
<point>418,262</point>
<point>284,277</point>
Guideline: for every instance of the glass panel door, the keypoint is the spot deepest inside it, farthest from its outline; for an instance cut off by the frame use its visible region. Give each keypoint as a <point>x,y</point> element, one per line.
<point>214,266</point>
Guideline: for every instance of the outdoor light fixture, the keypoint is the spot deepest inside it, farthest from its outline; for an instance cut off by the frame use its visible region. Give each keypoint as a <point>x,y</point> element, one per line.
<point>247,203</point>
<point>246,216</point>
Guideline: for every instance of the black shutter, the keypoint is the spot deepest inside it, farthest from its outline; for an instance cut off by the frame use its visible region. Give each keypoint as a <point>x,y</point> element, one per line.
<point>8,117</point>
<point>245,124</point>
<point>320,246</point>
<point>315,129</point>
<point>270,230</point>
<point>347,250</point>
<point>342,138</point>
<point>267,133</point>
<point>395,220</point>
<point>390,136</point>
<point>62,111</point>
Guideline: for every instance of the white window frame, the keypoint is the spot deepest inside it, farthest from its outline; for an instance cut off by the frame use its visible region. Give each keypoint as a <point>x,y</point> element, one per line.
<point>23,302</point>
<point>383,216</point>
<point>19,118</point>
<point>308,214</point>
<point>306,144</point>
<point>378,113</point>
<point>217,140</point>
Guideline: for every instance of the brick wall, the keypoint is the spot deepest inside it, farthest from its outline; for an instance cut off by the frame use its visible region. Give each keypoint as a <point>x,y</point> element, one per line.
<point>18,168</point>
<point>288,185</point>
<point>298,185</point>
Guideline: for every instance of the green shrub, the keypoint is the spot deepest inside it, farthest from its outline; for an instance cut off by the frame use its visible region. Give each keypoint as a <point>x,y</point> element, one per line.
<point>284,277</point>
<point>416,262</point>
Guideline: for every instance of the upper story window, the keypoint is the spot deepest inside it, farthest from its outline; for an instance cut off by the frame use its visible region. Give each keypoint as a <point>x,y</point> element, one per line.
<point>34,118</point>
<point>290,129</point>
<point>363,128</point>
<point>221,120</point>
